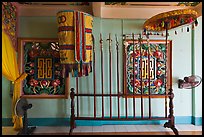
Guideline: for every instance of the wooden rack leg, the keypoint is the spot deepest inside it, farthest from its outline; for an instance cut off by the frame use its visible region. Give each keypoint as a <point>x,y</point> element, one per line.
<point>72,120</point>
<point>170,123</point>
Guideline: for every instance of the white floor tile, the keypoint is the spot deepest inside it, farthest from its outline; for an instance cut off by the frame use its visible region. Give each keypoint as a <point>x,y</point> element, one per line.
<point>40,129</point>
<point>120,128</point>
<point>130,128</point>
<point>198,128</point>
<point>86,129</point>
<point>77,129</point>
<point>141,128</point>
<point>153,128</point>
<point>188,127</point>
<point>108,128</point>
<point>97,128</point>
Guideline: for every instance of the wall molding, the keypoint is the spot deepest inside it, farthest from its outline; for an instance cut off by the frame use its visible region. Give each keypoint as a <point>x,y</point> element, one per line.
<point>47,10</point>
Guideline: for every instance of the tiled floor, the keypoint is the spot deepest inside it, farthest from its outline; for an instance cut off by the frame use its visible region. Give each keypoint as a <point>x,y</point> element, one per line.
<point>106,128</point>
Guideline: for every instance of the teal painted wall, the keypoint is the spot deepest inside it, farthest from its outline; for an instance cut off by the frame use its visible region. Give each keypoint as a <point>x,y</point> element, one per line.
<point>46,27</point>
<point>6,99</point>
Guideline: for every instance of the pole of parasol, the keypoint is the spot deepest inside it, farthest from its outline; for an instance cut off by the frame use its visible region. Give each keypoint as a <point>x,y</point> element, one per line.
<point>171,116</point>
<point>166,26</point>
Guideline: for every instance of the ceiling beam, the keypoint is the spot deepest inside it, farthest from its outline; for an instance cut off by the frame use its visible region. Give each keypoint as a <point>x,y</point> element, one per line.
<point>50,10</point>
<point>198,8</point>
<point>99,9</point>
<point>135,10</point>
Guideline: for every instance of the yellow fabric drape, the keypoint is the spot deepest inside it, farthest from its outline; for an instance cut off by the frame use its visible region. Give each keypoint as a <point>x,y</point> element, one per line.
<point>11,72</point>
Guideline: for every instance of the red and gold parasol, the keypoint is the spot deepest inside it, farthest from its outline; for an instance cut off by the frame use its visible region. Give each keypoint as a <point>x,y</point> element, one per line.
<point>169,20</point>
<point>172,19</point>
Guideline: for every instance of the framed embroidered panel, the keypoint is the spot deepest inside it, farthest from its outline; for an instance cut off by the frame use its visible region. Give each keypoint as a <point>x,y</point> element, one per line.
<point>147,69</point>
<point>40,59</point>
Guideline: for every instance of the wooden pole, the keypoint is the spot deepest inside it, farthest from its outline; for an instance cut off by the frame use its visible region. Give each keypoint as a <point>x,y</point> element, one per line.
<point>170,123</point>
<point>102,79</point>
<point>125,68</point>
<point>110,72</point>
<point>133,69</point>
<point>166,25</point>
<point>141,75</point>
<point>94,75</point>
<point>149,75</point>
<point>118,75</point>
<point>72,118</point>
<point>77,92</point>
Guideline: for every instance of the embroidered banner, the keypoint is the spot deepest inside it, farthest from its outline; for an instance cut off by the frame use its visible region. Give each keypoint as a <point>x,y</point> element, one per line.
<point>75,41</point>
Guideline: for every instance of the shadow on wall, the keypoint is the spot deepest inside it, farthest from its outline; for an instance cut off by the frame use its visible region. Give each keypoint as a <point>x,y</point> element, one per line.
<point>175,81</point>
